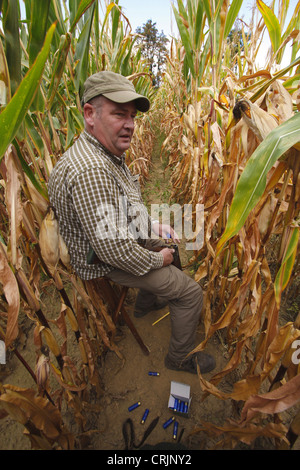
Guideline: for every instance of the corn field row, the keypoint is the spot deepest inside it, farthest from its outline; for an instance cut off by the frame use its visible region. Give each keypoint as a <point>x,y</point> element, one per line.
<point>232,143</point>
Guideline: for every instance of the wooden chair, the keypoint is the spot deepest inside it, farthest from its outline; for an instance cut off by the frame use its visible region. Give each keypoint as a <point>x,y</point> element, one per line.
<point>115,297</point>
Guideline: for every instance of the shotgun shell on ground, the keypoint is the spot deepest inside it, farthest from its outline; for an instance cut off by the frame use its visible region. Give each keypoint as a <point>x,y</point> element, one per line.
<point>145,415</point>
<point>133,407</point>
<point>153,373</point>
<point>167,423</point>
<point>175,430</point>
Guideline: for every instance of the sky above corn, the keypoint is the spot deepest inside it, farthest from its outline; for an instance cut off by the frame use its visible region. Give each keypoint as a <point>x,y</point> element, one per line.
<point>160,12</point>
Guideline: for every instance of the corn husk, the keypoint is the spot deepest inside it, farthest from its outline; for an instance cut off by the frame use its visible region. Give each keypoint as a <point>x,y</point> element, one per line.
<point>49,241</point>
<point>63,251</point>
<point>42,371</point>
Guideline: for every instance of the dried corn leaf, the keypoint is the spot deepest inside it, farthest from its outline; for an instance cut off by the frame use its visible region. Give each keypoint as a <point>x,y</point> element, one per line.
<point>266,214</point>
<point>24,406</point>
<point>247,434</point>
<point>275,401</point>
<point>37,199</point>
<point>279,102</point>
<point>11,292</point>
<point>234,306</point>
<point>67,385</point>
<point>13,203</point>
<point>281,343</point>
<point>63,251</point>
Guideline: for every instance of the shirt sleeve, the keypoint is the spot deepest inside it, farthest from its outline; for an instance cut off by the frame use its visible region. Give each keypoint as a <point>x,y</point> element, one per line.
<point>100,208</point>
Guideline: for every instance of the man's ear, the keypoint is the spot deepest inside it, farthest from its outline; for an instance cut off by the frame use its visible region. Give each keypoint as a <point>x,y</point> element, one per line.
<point>89,113</point>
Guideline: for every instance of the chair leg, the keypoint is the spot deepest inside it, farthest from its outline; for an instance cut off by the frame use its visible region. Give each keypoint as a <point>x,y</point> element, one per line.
<point>120,310</point>
<point>120,304</point>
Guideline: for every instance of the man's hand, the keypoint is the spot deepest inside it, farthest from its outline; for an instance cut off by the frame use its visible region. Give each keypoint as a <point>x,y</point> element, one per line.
<point>165,231</point>
<point>168,256</point>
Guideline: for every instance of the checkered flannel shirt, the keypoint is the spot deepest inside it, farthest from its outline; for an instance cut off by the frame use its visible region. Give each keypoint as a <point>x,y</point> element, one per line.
<point>88,189</point>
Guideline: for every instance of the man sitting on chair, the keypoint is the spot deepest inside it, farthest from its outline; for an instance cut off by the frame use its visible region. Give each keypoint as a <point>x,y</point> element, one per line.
<point>94,195</point>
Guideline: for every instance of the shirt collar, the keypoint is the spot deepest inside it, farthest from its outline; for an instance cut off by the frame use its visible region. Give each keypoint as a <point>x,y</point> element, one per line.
<point>118,160</point>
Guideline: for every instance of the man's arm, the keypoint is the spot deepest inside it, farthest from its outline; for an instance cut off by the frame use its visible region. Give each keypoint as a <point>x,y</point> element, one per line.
<point>98,204</point>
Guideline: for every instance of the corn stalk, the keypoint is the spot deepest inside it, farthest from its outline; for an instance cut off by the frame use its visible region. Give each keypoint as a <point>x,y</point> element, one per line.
<point>41,84</point>
<point>235,149</point>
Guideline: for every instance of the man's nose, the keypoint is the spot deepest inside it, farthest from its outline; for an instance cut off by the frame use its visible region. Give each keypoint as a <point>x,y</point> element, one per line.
<point>129,123</point>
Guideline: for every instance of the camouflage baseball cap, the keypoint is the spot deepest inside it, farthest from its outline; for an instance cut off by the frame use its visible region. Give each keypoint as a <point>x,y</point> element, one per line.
<point>115,87</point>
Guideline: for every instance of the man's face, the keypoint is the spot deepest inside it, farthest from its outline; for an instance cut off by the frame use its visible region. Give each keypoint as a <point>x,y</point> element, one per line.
<point>112,124</point>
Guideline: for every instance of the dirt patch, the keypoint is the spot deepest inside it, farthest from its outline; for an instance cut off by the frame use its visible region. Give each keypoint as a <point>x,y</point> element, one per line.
<point>128,383</point>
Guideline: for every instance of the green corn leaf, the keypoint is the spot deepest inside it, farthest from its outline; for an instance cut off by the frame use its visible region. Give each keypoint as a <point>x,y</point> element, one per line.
<point>12,41</point>
<point>59,66</point>
<point>13,115</point>
<point>38,29</point>
<point>73,8</point>
<point>276,76</point>
<point>41,188</point>
<point>285,271</point>
<point>199,24</point>
<point>182,10</point>
<point>186,41</point>
<point>231,16</point>
<point>82,51</point>
<point>83,6</point>
<point>272,24</point>
<point>252,182</point>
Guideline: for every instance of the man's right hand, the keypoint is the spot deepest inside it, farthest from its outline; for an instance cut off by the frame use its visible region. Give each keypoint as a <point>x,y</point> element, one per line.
<point>168,256</point>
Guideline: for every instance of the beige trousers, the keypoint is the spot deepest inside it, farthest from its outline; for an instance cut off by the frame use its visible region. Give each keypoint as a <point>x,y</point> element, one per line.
<point>185,300</point>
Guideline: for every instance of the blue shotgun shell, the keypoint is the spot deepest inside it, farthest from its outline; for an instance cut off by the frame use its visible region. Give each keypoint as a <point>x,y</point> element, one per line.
<point>175,430</point>
<point>153,373</point>
<point>133,407</point>
<point>176,404</point>
<point>145,415</point>
<point>167,423</point>
<point>186,407</point>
